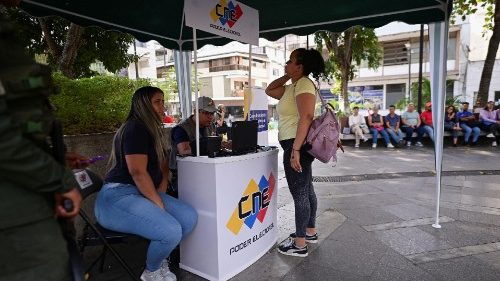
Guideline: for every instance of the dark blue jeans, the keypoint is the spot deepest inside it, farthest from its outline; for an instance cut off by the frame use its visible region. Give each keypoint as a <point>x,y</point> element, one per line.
<point>301,188</point>
<point>409,132</point>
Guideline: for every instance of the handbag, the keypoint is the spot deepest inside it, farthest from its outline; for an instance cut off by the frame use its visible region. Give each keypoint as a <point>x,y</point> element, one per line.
<point>323,137</point>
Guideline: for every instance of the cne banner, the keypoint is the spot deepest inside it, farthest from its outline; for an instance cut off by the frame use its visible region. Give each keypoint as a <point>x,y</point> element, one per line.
<point>228,19</point>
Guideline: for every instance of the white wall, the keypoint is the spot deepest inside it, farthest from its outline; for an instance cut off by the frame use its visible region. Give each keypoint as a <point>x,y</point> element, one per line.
<point>218,87</point>
<point>478,43</point>
<point>474,76</point>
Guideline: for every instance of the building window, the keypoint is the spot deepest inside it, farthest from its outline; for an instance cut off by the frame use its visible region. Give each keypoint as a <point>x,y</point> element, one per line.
<point>394,93</point>
<point>449,90</point>
<point>238,85</point>
<point>276,72</point>
<point>497,97</point>
<point>395,53</point>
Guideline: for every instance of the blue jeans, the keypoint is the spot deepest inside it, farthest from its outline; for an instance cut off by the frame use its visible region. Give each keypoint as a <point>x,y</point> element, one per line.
<point>476,131</point>
<point>396,136</point>
<point>383,133</point>
<point>121,207</point>
<point>430,131</point>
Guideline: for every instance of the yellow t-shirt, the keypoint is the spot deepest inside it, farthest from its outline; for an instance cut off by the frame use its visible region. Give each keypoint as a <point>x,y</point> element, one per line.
<point>287,107</point>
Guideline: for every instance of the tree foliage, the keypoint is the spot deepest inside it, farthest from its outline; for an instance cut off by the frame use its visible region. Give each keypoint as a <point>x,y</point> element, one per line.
<point>426,95</point>
<point>346,51</point>
<point>70,48</point>
<point>463,8</point>
<point>93,105</point>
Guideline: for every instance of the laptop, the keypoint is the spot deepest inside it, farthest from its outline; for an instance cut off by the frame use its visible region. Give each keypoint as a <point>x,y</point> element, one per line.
<point>244,137</point>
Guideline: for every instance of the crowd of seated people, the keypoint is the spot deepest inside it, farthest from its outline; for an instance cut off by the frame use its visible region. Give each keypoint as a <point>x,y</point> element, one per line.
<point>398,130</point>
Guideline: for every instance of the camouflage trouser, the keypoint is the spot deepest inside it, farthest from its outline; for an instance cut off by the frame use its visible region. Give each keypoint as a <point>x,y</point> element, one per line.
<point>35,251</point>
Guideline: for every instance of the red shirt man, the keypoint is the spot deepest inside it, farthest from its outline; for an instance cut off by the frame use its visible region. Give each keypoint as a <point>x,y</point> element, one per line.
<point>426,116</point>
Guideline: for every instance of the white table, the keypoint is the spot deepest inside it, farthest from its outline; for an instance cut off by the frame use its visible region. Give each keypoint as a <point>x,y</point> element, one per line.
<point>232,233</point>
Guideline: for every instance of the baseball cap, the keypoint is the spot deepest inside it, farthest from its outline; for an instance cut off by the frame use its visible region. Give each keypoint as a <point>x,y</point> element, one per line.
<point>206,104</point>
<point>428,104</point>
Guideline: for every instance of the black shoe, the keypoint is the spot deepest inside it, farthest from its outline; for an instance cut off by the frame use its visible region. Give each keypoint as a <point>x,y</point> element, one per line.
<point>473,143</point>
<point>454,145</point>
<point>288,248</point>
<point>466,143</point>
<point>313,239</point>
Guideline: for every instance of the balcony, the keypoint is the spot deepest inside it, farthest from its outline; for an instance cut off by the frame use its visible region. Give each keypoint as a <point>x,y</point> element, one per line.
<point>228,67</point>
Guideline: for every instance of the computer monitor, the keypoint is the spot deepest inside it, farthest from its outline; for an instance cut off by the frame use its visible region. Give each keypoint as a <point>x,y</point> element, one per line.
<point>209,145</point>
<point>244,137</point>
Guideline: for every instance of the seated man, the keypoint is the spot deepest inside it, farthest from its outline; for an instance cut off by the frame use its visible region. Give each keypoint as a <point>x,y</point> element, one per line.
<point>183,136</point>
<point>490,123</point>
<point>376,124</point>
<point>411,123</point>
<point>426,117</point>
<point>393,122</point>
<point>468,124</point>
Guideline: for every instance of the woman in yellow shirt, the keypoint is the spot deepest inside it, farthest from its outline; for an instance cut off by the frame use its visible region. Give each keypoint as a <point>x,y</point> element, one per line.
<point>296,111</point>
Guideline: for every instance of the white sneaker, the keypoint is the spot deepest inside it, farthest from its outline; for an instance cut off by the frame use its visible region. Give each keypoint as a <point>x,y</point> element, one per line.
<point>419,144</point>
<point>490,135</point>
<point>494,143</point>
<point>356,145</point>
<point>165,270</point>
<point>374,145</point>
<point>153,275</point>
<point>390,145</point>
<point>408,143</point>
<point>365,139</point>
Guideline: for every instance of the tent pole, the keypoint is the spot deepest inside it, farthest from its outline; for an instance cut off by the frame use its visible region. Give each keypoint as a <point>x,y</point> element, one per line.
<point>197,112</point>
<point>438,60</point>
<point>249,65</point>
<point>420,63</point>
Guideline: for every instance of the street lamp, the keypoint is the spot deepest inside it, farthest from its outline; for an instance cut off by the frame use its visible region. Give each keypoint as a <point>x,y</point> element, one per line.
<point>408,52</point>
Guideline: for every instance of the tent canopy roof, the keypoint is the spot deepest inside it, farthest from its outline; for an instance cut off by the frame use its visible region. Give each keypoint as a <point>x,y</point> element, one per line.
<point>162,20</point>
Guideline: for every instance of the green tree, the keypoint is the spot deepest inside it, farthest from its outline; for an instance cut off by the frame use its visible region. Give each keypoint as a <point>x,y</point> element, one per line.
<point>426,95</point>
<point>464,8</point>
<point>346,51</point>
<point>168,84</point>
<point>70,48</point>
<point>93,105</point>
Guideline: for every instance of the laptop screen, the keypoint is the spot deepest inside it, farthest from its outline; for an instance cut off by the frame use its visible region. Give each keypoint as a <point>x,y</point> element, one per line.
<point>244,137</point>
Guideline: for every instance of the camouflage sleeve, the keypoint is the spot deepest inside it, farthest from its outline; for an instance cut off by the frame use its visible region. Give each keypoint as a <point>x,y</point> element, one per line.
<point>26,165</point>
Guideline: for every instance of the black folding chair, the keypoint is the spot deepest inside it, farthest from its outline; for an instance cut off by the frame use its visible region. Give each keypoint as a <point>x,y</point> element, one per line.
<point>96,235</point>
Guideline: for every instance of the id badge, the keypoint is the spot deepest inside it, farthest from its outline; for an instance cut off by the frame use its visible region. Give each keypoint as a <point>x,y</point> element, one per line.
<point>83,179</point>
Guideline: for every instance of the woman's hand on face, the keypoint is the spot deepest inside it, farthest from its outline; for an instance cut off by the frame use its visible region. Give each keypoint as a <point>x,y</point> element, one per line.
<point>295,161</point>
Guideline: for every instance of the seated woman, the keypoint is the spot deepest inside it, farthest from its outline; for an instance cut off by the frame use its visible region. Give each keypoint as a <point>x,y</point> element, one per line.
<point>358,126</point>
<point>376,124</point>
<point>451,123</point>
<point>490,123</point>
<point>133,198</point>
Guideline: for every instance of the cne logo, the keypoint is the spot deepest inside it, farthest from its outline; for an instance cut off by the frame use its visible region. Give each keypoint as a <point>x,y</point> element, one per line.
<point>226,13</point>
<point>252,205</point>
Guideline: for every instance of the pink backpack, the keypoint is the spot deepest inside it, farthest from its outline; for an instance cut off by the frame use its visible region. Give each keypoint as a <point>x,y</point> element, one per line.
<point>323,138</point>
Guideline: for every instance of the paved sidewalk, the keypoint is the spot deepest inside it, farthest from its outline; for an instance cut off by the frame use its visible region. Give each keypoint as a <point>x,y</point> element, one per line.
<point>379,228</point>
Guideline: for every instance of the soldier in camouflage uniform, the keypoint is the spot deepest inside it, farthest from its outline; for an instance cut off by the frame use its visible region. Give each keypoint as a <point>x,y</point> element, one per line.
<point>33,185</point>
